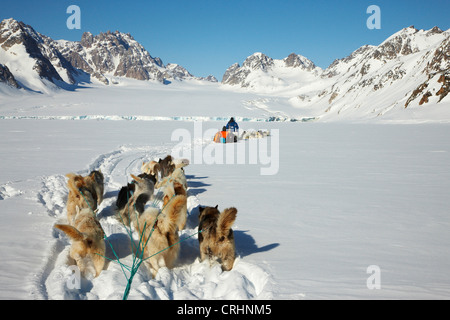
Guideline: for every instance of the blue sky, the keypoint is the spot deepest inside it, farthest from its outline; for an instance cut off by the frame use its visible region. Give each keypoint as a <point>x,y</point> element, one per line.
<point>207,36</point>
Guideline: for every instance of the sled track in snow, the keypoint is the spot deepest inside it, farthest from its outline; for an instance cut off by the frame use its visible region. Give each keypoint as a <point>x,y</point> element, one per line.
<point>189,279</point>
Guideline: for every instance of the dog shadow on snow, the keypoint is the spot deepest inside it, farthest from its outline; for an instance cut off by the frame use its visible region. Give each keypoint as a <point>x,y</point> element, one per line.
<point>195,186</point>
<point>245,244</point>
<point>189,247</point>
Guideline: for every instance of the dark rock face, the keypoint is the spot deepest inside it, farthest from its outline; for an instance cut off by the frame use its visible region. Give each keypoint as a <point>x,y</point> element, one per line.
<point>437,67</point>
<point>7,77</point>
<point>297,61</point>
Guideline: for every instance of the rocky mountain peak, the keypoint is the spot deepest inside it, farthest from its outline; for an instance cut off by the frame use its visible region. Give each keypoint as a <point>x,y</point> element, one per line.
<point>297,61</point>
<point>259,65</point>
<point>87,39</point>
<point>258,61</point>
<point>434,30</point>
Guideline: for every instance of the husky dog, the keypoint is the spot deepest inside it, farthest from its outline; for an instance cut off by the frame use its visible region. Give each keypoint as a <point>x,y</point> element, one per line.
<point>167,166</point>
<point>177,175</point>
<point>151,167</point>
<point>88,244</point>
<point>254,134</point>
<point>162,248</point>
<point>132,198</point>
<point>171,190</point>
<point>85,192</point>
<point>173,185</point>
<point>216,237</point>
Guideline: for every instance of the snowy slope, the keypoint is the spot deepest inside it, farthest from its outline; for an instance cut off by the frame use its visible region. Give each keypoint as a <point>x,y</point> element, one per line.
<point>409,70</point>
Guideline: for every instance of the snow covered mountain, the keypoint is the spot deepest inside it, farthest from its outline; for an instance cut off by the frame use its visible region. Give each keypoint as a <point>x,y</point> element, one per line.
<point>262,72</point>
<point>409,69</point>
<point>403,71</point>
<point>32,60</point>
<point>112,54</point>
<point>37,61</point>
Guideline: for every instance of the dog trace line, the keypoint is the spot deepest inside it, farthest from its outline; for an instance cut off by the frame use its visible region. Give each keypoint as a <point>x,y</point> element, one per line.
<point>137,258</point>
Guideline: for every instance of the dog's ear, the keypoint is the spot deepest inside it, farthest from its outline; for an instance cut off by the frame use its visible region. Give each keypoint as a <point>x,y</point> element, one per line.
<point>78,181</point>
<point>70,175</point>
<point>217,206</point>
<point>166,200</point>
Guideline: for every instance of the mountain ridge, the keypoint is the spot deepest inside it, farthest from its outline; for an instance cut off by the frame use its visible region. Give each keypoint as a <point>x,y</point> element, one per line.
<point>408,69</point>
<point>31,57</point>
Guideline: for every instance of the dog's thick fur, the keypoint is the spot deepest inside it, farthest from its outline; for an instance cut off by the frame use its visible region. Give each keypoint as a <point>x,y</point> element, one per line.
<point>167,166</point>
<point>132,198</point>
<point>164,236</point>
<point>151,167</point>
<point>172,189</point>
<point>84,192</point>
<point>177,175</point>
<point>180,163</point>
<point>88,244</point>
<point>216,238</point>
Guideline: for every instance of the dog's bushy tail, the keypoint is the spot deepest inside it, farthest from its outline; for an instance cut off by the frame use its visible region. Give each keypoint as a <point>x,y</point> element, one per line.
<point>226,220</point>
<point>172,210</point>
<point>71,232</point>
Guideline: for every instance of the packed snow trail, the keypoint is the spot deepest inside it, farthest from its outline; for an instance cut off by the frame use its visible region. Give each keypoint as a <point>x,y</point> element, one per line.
<point>190,279</point>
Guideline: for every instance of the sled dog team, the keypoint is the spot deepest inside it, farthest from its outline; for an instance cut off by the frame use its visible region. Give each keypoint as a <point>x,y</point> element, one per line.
<point>157,228</point>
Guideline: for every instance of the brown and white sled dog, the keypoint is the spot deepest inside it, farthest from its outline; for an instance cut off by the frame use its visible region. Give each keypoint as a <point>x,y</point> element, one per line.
<point>132,198</point>
<point>151,167</point>
<point>177,175</point>
<point>216,238</point>
<point>84,192</point>
<point>162,248</point>
<point>172,189</point>
<point>167,166</point>
<point>88,244</point>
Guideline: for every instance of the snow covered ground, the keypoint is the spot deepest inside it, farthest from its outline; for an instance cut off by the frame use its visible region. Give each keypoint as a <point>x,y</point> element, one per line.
<point>343,198</point>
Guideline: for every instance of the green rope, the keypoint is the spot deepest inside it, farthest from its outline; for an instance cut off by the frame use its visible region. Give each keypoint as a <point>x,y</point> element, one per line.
<point>174,244</point>
<point>137,257</point>
<point>106,239</point>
